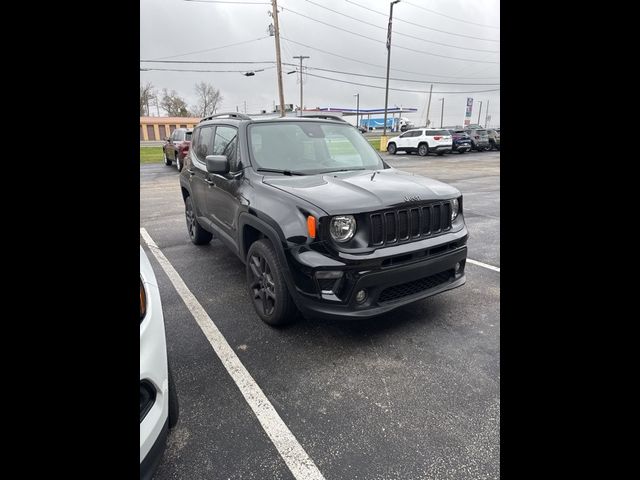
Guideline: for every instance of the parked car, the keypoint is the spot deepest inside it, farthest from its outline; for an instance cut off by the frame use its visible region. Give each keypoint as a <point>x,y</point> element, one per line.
<point>461,142</point>
<point>494,138</point>
<point>176,147</point>
<point>421,140</point>
<point>322,223</point>
<point>159,407</point>
<point>479,139</point>
<point>362,129</point>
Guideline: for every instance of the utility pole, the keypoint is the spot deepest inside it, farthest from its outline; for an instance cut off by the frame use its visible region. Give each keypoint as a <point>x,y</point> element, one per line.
<point>442,112</point>
<point>486,115</point>
<point>429,105</point>
<point>479,111</point>
<point>301,57</point>
<point>386,90</point>
<point>274,5</point>
<point>357,95</point>
<point>245,106</point>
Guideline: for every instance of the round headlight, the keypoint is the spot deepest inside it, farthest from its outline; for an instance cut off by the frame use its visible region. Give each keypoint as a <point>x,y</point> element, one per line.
<point>342,228</point>
<point>455,206</point>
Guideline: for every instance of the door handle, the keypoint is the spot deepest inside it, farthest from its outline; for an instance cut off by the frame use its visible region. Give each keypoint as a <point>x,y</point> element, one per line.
<point>209,181</point>
<point>191,172</point>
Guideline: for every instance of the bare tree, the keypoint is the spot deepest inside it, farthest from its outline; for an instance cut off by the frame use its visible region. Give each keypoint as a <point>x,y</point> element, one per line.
<point>174,104</point>
<point>208,99</point>
<point>147,94</point>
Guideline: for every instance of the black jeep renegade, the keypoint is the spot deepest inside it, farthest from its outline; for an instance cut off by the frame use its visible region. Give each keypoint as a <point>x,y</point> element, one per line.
<point>322,223</point>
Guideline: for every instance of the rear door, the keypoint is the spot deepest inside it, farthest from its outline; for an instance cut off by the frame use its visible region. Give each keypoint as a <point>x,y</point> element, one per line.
<point>198,176</point>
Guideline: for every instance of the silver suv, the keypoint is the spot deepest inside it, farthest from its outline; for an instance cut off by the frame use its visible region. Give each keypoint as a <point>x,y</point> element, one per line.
<point>479,139</point>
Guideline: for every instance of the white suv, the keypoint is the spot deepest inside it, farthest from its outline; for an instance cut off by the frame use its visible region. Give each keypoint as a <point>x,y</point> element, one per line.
<point>421,140</point>
<point>158,398</point>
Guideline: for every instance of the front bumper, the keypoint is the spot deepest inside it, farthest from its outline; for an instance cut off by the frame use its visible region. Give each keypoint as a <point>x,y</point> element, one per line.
<point>152,459</point>
<point>391,276</point>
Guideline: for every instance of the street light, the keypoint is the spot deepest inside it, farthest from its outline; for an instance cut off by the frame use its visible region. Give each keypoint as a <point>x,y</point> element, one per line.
<point>479,111</point>
<point>357,95</point>
<point>383,140</point>
<point>442,112</point>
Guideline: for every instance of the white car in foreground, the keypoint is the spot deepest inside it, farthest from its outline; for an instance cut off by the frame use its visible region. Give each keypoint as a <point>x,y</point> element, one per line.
<point>158,398</point>
<point>421,140</point>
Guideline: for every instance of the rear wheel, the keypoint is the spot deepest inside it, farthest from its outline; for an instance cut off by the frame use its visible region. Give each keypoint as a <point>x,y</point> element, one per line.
<point>267,286</point>
<point>197,234</point>
<point>423,150</point>
<point>391,148</point>
<point>178,163</point>
<point>166,160</point>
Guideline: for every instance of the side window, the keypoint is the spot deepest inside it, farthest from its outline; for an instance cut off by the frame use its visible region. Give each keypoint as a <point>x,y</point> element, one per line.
<point>226,144</point>
<point>203,143</point>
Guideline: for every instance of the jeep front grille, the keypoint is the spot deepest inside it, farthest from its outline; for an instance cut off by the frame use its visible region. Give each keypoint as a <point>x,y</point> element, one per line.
<point>409,224</point>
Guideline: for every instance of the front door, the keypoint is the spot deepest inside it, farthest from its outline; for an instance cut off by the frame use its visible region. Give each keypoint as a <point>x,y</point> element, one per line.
<point>222,201</point>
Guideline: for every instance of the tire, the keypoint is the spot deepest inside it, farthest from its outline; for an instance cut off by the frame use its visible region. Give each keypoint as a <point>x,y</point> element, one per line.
<point>197,234</point>
<point>440,154</point>
<point>167,162</point>
<point>266,285</point>
<point>461,151</point>
<point>179,163</point>
<point>423,150</point>
<point>391,148</point>
<point>174,405</point>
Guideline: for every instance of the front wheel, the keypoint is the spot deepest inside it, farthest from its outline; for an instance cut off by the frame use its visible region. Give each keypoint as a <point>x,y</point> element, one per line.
<point>391,148</point>
<point>167,162</point>
<point>267,286</point>
<point>197,234</point>
<point>423,150</point>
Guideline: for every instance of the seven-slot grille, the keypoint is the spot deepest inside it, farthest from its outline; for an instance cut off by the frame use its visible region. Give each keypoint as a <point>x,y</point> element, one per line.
<point>409,224</point>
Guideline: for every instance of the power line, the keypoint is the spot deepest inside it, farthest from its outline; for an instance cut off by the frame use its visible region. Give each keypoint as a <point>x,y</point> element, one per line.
<point>452,18</point>
<point>399,79</point>
<point>398,33</point>
<point>192,70</point>
<point>196,61</point>
<point>382,66</point>
<point>323,69</point>
<point>222,1</point>
<point>395,46</point>
<point>214,48</point>
<point>397,89</point>
<point>423,26</point>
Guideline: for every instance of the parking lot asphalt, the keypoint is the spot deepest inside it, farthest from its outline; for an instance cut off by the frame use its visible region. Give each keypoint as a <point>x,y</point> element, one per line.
<point>412,394</point>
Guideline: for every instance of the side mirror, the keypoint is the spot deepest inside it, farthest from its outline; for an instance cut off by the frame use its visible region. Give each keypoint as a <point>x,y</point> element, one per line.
<point>166,139</point>
<point>217,164</point>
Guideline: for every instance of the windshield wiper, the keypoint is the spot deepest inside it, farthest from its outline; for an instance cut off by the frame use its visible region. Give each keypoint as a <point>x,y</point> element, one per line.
<point>284,172</point>
<point>342,170</point>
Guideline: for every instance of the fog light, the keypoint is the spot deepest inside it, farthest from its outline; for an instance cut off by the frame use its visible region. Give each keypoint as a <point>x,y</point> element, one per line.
<point>361,296</point>
<point>457,267</point>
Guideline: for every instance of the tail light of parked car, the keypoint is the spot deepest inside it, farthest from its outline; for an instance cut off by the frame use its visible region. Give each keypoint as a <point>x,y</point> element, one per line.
<point>437,137</point>
<point>143,301</point>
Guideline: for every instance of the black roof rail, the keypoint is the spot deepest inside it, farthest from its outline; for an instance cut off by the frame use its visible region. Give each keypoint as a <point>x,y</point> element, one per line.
<point>325,116</point>
<point>239,116</point>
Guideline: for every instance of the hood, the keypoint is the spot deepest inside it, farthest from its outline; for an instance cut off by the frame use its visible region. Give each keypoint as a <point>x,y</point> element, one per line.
<point>355,192</point>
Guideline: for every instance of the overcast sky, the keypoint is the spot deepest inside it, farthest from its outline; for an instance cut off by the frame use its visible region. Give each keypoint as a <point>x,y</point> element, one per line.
<point>175,28</point>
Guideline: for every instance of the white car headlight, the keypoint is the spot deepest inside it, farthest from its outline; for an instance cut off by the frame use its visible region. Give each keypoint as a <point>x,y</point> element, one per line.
<point>342,228</point>
<point>455,207</point>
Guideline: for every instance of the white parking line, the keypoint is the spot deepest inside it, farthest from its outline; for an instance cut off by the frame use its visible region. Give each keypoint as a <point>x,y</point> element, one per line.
<point>300,464</point>
<point>490,267</point>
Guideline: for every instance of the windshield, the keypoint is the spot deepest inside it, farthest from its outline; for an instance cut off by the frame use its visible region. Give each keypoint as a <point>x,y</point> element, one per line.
<point>311,147</point>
